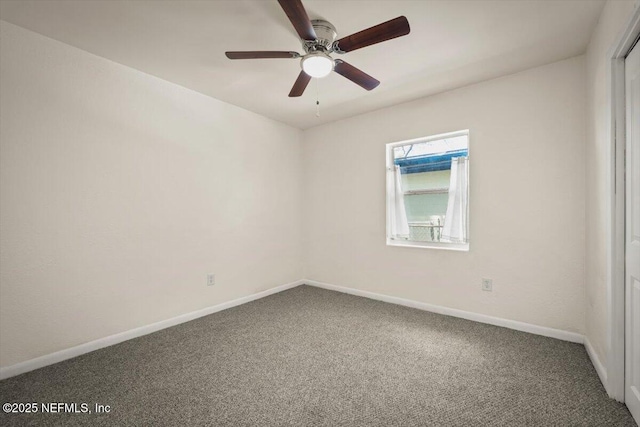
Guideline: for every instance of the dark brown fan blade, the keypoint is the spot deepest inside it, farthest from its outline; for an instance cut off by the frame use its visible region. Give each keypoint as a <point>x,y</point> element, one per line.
<point>386,31</point>
<point>261,54</point>
<point>300,85</point>
<point>357,76</point>
<point>299,18</point>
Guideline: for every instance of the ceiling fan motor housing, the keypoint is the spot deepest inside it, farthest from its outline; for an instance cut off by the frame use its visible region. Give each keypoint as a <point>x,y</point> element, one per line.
<point>326,35</point>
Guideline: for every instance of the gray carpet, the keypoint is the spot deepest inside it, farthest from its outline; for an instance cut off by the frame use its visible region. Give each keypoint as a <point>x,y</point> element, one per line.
<point>309,356</point>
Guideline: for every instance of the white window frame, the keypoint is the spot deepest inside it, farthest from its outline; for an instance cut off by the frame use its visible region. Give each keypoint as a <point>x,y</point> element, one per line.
<point>390,166</point>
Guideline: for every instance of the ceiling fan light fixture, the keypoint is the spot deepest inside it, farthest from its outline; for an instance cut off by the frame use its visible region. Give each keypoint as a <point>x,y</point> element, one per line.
<point>318,39</point>
<point>317,64</point>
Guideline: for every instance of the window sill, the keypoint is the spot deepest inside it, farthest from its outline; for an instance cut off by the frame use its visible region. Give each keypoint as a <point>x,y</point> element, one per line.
<point>463,247</point>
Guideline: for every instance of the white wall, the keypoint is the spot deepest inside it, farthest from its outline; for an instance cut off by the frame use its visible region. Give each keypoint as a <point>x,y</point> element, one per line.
<point>527,153</point>
<point>598,156</point>
<point>119,192</point>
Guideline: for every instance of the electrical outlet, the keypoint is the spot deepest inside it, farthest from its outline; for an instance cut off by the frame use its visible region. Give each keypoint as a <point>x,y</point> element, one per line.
<point>487,285</point>
<point>211,279</point>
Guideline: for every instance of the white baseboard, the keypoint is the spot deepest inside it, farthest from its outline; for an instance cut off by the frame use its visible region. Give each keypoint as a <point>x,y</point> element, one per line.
<point>595,360</point>
<point>476,317</point>
<point>81,349</point>
<point>59,356</point>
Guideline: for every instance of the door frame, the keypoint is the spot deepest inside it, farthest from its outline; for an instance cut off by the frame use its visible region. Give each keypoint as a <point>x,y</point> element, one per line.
<point>615,375</point>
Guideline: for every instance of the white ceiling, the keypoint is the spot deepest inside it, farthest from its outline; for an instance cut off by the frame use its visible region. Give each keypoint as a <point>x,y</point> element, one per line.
<point>451,44</point>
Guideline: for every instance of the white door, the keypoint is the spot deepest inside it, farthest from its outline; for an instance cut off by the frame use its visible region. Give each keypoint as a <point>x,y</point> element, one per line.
<point>632,235</point>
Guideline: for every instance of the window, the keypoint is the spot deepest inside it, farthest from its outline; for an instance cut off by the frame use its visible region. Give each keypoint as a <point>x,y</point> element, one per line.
<point>428,192</point>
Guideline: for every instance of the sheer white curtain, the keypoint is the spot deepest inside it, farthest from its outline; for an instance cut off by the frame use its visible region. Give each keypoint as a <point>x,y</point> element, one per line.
<point>455,221</point>
<point>398,225</point>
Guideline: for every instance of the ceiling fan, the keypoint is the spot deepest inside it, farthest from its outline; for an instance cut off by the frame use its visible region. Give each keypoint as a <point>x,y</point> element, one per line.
<point>319,42</point>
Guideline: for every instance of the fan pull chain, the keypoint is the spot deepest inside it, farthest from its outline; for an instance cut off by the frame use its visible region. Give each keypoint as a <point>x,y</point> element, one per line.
<point>317,100</point>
